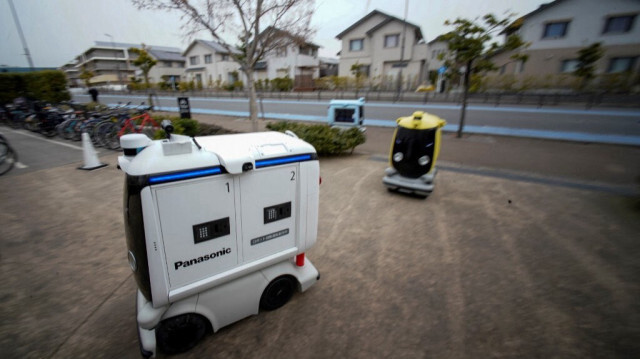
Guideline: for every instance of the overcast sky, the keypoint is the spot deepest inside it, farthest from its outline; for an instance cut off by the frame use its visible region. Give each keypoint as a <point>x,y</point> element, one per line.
<point>58,30</point>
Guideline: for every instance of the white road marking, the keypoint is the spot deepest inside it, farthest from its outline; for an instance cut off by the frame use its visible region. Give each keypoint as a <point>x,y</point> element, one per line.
<point>20,165</point>
<point>45,139</point>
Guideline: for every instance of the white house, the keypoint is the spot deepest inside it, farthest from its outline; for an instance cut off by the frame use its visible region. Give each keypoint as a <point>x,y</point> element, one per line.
<point>557,30</point>
<point>169,67</point>
<point>298,60</point>
<point>210,64</point>
<point>111,63</point>
<point>376,43</point>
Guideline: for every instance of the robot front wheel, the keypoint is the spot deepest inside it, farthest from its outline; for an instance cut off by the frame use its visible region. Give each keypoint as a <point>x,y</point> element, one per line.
<point>181,333</point>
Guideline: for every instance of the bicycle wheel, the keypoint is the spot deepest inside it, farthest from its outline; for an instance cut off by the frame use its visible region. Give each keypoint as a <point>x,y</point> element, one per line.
<point>69,130</point>
<point>32,123</point>
<point>7,157</point>
<point>112,139</point>
<point>100,132</point>
<point>62,126</point>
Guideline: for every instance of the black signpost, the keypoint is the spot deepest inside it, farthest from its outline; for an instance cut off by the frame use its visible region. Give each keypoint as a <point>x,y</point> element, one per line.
<point>183,106</point>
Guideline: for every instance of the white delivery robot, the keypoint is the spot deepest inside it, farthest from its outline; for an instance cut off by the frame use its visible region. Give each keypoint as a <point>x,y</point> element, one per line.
<point>216,229</point>
<point>346,113</point>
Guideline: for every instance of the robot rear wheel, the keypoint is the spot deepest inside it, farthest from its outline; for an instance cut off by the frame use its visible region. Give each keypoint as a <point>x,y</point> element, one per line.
<point>277,293</point>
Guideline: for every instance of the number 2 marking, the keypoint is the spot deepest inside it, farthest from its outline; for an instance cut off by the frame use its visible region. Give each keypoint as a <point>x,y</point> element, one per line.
<point>293,175</point>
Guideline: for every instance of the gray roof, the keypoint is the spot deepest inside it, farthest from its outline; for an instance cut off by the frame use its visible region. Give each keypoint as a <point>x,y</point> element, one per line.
<point>329,60</point>
<point>215,46</point>
<point>388,19</point>
<point>166,55</point>
<point>128,45</point>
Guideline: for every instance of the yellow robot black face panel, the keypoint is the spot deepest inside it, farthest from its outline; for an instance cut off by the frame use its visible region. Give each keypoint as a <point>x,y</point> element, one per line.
<point>416,144</point>
<point>413,151</point>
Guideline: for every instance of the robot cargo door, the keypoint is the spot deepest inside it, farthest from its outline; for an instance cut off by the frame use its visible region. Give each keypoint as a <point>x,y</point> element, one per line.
<point>198,228</point>
<point>269,208</point>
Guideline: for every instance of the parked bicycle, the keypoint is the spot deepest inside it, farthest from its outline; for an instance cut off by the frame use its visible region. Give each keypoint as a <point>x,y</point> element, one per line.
<point>8,156</point>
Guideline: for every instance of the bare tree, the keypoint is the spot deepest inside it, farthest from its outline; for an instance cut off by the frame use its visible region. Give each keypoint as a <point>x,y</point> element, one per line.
<point>258,25</point>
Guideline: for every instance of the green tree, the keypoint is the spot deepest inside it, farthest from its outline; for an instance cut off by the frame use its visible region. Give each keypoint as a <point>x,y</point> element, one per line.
<point>471,48</point>
<point>587,58</point>
<point>86,75</point>
<point>145,63</point>
<point>359,74</point>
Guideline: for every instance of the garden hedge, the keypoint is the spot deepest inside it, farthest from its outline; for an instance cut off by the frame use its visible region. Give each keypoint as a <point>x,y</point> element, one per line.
<point>48,86</point>
<point>326,140</point>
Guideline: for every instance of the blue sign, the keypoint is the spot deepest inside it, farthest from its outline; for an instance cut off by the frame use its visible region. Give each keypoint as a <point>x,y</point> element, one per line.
<point>442,69</point>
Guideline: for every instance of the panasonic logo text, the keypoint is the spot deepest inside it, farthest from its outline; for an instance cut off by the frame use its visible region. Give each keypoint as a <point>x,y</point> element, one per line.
<point>204,258</point>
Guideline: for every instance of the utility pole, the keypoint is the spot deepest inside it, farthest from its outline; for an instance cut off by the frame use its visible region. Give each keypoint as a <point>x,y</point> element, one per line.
<point>404,33</point>
<point>24,42</point>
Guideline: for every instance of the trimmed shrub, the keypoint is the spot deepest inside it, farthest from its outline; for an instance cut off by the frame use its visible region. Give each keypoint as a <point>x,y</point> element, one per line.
<point>326,140</point>
<point>188,127</point>
<point>181,126</point>
<point>281,84</point>
<point>206,129</point>
<point>47,86</point>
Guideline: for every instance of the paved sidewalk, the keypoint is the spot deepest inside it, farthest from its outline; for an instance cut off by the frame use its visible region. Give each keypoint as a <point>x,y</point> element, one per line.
<point>484,267</point>
<point>490,265</point>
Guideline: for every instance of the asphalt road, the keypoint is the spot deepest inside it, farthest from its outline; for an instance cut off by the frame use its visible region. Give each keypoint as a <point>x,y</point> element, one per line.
<point>594,121</point>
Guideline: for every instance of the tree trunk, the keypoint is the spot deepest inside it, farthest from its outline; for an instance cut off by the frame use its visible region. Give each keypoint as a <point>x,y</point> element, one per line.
<point>465,94</point>
<point>253,104</point>
<point>146,86</point>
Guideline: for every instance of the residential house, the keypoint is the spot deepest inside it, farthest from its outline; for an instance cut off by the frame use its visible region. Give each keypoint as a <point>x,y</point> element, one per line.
<point>556,31</point>
<point>72,71</point>
<point>297,59</point>
<point>328,66</point>
<point>169,67</point>
<point>111,64</point>
<point>210,64</point>
<point>376,43</point>
<point>436,49</point>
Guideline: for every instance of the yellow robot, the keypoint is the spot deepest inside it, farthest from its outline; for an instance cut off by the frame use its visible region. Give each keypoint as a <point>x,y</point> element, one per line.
<point>414,151</point>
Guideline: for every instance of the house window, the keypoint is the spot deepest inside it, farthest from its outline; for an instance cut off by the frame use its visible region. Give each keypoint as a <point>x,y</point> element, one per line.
<point>520,66</point>
<point>569,65</point>
<point>232,77</point>
<point>281,51</point>
<point>207,59</point>
<point>391,40</point>
<point>356,45</point>
<point>554,30</point>
<point>618,24</point>
<point>621,64</point>
<point>224,57</point>
<point>364,70</point>
<point>307,50</point>
<point>193,60</point>
<point>167,64</point>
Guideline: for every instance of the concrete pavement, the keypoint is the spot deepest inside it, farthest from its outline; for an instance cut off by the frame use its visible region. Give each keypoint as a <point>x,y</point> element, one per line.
<point>487,266</point>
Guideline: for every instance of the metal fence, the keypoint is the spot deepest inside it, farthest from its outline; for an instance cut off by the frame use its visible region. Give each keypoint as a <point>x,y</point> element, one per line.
<point>495,99</point>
